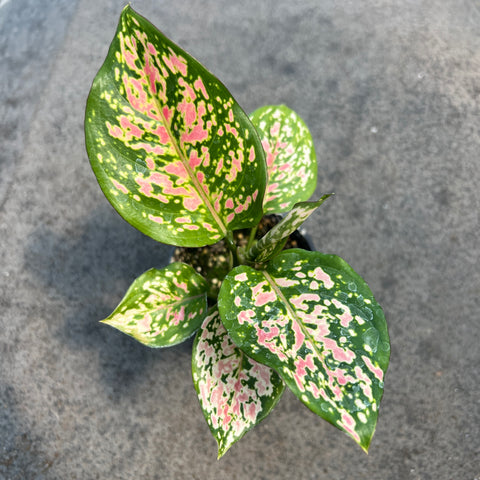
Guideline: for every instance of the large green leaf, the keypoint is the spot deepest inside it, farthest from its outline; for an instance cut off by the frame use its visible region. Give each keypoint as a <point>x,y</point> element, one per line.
<point>162,307</point>
<point>273,241</point>
<point>314,320</point>
<point>172,150</point>
<point>235,391</point>
<point>291,160</point>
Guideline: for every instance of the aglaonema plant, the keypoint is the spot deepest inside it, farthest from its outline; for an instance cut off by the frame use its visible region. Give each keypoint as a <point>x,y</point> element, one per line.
<point>178,158</point>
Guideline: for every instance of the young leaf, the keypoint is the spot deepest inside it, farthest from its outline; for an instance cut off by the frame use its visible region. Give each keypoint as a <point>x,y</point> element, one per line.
<point>314,320</point>
<point>171,149</point>
<point>162,307</point>
<point>235,391</point>
<point>291,160</point>
<point>272,242</point>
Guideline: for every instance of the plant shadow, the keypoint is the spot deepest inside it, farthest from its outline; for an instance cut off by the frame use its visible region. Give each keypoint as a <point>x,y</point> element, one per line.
<point>86,270</point>
<point>22,454</point>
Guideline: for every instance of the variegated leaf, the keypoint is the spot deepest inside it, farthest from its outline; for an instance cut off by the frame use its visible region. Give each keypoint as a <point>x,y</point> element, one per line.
<point>162,307</point>
<point>172,150</point>
<point>235,391</point>
<point>272,242</point>
<point>291,160</point>
<point>315,321</point>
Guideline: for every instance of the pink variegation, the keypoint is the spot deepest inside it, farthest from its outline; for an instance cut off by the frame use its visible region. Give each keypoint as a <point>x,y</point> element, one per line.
<point>162,307</point>
<point>310,317</point>
<point>290,156</point>
<point>235,391</point>
<point>172,150</point>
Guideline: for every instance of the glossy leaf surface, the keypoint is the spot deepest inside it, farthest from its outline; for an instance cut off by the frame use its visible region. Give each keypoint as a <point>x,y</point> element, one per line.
<point>235,391</point>
<point>272,242</point>
<point>314,320</point>
<point>291,159</point>
<point>162,307</point>
<point>172,150</point>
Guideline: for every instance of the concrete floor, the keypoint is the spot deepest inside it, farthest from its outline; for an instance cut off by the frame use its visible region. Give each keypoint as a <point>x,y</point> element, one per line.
<point>390,90</point>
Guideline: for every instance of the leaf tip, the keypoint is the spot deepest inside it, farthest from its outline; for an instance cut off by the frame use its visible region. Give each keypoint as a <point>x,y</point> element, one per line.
<point>365,442</point>
<point>365,448</point>
<point>326,196</point>
<point>222,449</point>
<point>127,9</point>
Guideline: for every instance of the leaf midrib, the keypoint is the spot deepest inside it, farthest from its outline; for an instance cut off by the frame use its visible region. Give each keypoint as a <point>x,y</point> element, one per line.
<point>176,303</point>
<point>181,154</point>
<point>295,317</point>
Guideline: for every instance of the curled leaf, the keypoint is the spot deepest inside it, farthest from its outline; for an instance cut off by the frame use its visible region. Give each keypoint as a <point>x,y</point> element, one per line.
<point>272,242</point>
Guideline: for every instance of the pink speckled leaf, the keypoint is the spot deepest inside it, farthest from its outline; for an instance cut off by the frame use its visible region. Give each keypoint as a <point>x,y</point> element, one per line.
<point>172,150</point>
<point>235,391</point>
<point>273,241</point>
<point>314,320</point>
<point>291,160</point>
<point>162,307</point>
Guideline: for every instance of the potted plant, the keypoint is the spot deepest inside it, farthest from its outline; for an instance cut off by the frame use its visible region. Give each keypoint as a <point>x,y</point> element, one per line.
<point>178,158</point>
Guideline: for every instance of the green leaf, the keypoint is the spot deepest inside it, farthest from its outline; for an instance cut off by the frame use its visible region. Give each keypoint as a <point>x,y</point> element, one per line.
<point>172,150</point>
<point>314,320</point>
<point>235,391</point>
<point>162,307</point>
<point>272,242</point>
<point>291,160</point>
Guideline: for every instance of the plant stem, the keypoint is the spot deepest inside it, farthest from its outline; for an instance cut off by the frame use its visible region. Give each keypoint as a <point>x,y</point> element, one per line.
<point>251,239</point>
<point>232,247</point>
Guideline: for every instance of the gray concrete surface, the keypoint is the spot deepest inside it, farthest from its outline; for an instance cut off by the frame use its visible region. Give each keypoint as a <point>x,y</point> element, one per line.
<point>390,90</point>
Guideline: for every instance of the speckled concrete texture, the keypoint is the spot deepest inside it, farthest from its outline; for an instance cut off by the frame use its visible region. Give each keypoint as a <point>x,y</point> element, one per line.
<point>390,90</point>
